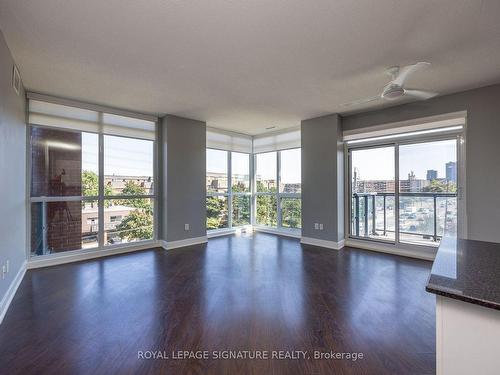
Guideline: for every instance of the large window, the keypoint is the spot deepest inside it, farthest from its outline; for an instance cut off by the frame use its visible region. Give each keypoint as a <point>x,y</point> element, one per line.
<point>404,192</point>
<point>89,189</point>
<point>228,189</point>
<point>278,187</point>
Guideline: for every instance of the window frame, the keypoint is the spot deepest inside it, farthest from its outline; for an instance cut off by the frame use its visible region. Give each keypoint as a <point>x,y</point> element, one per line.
<point>230,194</point>
<point>99,198</point>
<point>279,219</point>
<point>419,249</point>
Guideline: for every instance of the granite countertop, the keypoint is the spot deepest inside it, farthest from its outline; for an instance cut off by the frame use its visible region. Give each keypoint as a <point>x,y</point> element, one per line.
<point>467,270</point>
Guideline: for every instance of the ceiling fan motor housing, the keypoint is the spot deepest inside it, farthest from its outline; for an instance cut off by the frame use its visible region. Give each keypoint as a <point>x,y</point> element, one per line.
<point>393,92</point>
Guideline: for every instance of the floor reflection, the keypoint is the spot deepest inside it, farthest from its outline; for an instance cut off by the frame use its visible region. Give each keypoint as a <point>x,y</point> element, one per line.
<point>244,292</point>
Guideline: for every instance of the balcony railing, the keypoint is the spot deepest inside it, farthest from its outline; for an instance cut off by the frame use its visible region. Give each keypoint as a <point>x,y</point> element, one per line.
<point>366,220</point>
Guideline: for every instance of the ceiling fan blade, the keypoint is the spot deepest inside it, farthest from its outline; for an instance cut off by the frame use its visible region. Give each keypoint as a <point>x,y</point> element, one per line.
<point>406,71</point>
<point>361,101</point>
<point>420,94</point>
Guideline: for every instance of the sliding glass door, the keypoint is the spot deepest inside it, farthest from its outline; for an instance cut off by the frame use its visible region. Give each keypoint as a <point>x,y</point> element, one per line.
<point>373,181</point>
<point>427,191</point>
<point>404,192</point>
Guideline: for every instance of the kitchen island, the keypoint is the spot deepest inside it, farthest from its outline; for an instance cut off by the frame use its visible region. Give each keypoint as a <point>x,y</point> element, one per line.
<point>465,276</point>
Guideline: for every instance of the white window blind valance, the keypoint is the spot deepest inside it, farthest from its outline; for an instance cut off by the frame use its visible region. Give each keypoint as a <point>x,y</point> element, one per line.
<point>433,124</point>
<point>277,141</point>
<point>63,116</point>
<point>228,141</point>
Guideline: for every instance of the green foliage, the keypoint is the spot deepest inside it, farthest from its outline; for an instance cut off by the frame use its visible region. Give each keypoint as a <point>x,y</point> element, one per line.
<point>131,188</point>
<point>241,210</point>
<point>290,212</point>
<point>261,188</point>
<point>138,225</point>
<point>90,186</point>
<point>240,187</point>
<point>216,213</point>
<point>267,210</point>
<point>437,186</point>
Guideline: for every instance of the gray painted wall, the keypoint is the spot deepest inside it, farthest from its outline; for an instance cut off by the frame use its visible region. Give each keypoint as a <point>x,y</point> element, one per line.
<point>482,149</point>
<point>12,170</point>
<point>322,178</point>
<point>183,149</point>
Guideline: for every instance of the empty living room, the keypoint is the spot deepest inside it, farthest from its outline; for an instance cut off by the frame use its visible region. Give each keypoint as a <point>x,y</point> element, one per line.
<point>249,187</point>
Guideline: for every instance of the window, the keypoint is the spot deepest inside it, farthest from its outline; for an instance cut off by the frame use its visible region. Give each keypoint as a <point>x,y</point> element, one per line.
<point>413,204</point>
<point>290,171</point>
<point>128,172</point>
<point>278,207</point>
<point>224,198</point>
<point>217,171</point>
<point>240,189</point>
<point>75,202</point>
<point>427,191</point>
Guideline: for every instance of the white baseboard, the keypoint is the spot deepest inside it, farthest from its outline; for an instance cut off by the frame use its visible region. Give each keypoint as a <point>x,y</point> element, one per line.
<point>224,232</point>
<point>168,245</point>
<point>421,253</point>
<point>280,232</point>
<point>7,299</point>
<point>323,243</point>
<point>79,255</point>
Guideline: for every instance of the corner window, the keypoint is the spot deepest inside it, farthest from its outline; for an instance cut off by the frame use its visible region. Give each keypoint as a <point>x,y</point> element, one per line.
<point>88,189</point>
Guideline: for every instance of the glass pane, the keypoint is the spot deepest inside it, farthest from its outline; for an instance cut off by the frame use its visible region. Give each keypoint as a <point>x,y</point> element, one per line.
<point>127,220</point>
<point>266,210</point>
<point>128,166</point>
<point>372,187</point>
<point>240,172</point>
<point>62,226</point>
<point>265,172</point>
<point>63,163</point>
<point>290,212</point>
<point>290,176</point>
<point>216,171</point>
<point>428,180</point>
<point>217,212</point>
<point>241,210</point>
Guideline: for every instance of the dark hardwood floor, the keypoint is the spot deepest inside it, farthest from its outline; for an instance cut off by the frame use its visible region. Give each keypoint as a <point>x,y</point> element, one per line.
<point>260,292</point>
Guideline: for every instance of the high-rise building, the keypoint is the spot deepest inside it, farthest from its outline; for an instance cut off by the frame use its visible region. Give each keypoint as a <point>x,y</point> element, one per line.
<point>432,174</point>
<point>451,171</point>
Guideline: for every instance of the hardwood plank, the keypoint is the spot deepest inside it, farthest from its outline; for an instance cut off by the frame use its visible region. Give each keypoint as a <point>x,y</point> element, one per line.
<point>249,292</point>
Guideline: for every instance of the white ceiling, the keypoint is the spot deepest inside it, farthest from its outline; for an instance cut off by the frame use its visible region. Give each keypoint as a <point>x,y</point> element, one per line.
<point>248,65</point>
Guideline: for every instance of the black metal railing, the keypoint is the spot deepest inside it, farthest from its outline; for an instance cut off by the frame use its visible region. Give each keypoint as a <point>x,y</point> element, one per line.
<point>366,216</point>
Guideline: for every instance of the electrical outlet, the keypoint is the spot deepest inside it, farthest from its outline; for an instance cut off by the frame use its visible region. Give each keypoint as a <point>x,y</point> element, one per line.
<point>321,227</point>
<point>316,226</point>
<point>186,226</point>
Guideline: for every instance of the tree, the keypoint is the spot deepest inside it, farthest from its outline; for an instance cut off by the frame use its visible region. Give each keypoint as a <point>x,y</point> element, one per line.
<point>267,208</point>
<point>437,186</point>
<point>90,186</point>
<point>131,188</point>
<point>138,225</point>
<point>241,210</point>
<point>291,211</point>
<point>216,212</point>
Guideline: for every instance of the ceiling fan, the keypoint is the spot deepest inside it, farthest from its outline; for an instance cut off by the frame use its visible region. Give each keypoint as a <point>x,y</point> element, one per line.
<point>395,88</point>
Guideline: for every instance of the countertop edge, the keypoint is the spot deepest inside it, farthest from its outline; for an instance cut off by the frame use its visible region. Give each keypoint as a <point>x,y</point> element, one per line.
<point>475,301</point>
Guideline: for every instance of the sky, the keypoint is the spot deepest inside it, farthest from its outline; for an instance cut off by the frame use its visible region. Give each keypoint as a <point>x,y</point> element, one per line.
<point>266,164</point>
<point>134,157</point>
<point>378,163</point>
<point>122,156</point>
